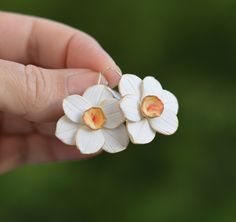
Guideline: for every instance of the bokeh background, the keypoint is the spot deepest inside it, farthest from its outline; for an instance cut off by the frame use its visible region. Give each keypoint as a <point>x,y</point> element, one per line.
<point>190,46</point>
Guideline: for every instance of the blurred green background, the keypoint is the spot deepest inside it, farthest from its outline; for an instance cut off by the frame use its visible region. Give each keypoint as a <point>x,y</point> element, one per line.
<point>190,46</point>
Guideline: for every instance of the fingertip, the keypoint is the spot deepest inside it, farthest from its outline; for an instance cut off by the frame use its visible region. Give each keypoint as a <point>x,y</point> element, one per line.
<point>85,52</point>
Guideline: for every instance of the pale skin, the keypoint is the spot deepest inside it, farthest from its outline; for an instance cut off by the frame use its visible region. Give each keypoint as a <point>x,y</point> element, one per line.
<point>41,62</point>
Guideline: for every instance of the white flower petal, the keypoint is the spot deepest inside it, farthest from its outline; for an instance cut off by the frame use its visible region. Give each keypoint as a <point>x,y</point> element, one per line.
<point>74,107</point>
<point>170,101</point>
<point>166,124</point>
<point>114,116</point>
<point>66,130</point>
<point>130,84</point>
<point>130,106</point>
<point>96,94</point>
<point>89,141</point>
<point>116,139</point>
<point>140,132</point>
<point>151,87</point>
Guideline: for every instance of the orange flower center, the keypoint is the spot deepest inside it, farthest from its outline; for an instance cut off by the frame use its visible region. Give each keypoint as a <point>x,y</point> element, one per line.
<point>94,118</point>
<point>151,106</point>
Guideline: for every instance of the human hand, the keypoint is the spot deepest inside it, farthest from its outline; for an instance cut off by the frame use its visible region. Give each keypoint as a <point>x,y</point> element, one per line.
<point>41,62</point>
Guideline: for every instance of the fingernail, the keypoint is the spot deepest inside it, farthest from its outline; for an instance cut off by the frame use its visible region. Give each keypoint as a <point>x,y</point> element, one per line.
<point>115,70</point>
<point>119,72</point>
<point>113,75</point>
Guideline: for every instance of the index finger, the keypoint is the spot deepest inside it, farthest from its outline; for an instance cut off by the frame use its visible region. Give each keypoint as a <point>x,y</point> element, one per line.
<point>31,40</point>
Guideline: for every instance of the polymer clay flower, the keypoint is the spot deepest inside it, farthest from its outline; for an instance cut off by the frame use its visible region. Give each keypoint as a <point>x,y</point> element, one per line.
<point>93,122</point>
<point>147,107</point>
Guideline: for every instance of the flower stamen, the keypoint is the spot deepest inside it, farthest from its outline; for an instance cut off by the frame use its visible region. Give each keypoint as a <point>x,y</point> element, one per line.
<point>151,106</point>
<point>94,118</point>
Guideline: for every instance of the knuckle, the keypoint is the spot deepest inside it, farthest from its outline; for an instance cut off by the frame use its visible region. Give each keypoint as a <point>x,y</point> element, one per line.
<point>37,86</point>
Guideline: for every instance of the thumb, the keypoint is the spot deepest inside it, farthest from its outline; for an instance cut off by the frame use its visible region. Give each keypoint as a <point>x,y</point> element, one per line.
<point>36,93</point>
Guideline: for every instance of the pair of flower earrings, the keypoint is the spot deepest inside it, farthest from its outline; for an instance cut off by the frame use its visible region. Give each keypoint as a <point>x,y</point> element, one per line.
<point>104,119</point>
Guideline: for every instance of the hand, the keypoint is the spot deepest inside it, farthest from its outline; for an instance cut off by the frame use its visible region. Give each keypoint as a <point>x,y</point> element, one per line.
<point>41,62</point>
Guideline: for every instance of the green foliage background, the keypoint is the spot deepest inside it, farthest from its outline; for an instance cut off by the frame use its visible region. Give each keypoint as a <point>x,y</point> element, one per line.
<point>190,46</point>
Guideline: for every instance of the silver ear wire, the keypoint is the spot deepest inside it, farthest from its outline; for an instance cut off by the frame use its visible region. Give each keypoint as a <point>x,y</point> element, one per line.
<point>115,94</point>
<point>102,80</point>
<point>99,78</point>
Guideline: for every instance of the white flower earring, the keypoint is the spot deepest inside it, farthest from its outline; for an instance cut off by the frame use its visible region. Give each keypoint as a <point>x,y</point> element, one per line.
<point>147,108</point>
<point>95,120</point>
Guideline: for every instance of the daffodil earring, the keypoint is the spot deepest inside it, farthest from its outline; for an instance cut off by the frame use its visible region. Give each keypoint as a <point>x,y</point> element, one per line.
<point>95,120</point>
<point>147,107</point>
